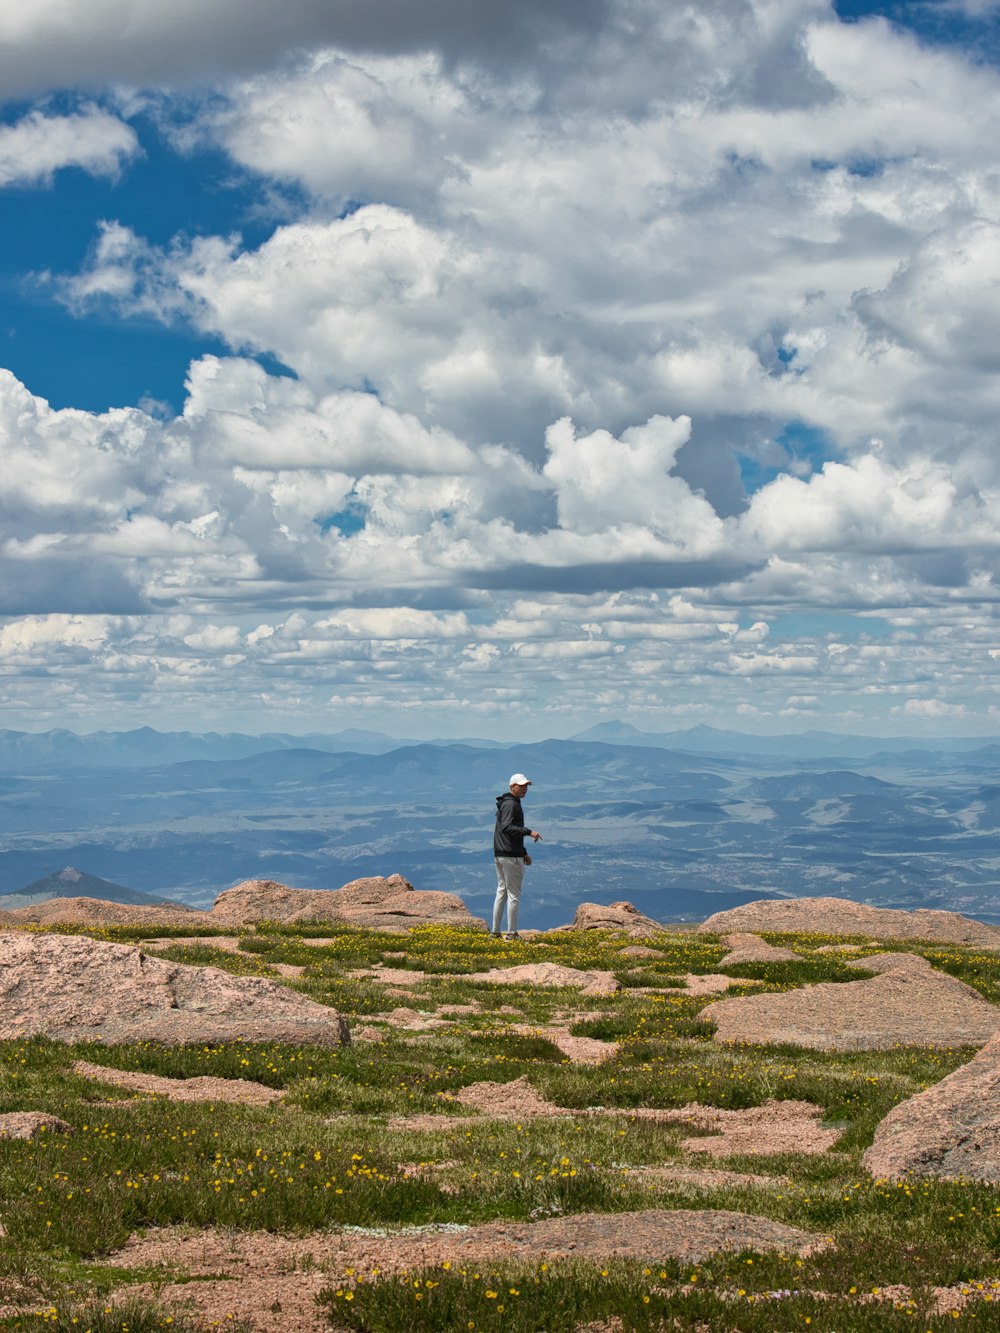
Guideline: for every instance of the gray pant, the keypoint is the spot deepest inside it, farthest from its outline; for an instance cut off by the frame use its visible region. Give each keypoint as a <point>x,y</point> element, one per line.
<point>510,873</point>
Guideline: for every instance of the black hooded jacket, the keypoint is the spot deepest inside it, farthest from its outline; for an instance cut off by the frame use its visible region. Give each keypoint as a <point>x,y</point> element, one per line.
<point>510,832</point>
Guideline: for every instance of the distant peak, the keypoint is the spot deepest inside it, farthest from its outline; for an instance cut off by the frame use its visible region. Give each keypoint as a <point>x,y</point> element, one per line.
<point>70,873</point>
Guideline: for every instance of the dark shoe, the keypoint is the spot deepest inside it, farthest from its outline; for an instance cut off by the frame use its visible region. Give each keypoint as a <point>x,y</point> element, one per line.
<point>515,936</point>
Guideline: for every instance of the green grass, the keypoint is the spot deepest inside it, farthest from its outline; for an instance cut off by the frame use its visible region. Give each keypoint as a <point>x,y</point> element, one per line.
<point>330,1155</point>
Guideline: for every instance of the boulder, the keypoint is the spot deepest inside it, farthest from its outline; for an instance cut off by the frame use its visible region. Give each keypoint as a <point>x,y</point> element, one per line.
<point>549,974</point>
<point>752,949</point>
<point>951,1130</point>
<point>909,1004</point>
<point>616,916</point>
<point>101,912</point>
<point>841,916</point>
<point>391,904</point>
<point>76,989</point>
<point>29,1124</point>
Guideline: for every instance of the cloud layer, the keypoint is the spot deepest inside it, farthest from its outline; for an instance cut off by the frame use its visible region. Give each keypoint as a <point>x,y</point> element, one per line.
<point>608,393</point>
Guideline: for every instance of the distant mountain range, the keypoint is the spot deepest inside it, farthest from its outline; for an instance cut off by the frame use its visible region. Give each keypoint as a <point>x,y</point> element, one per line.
<point>73,883</point>
<point>681,832</point>
<point>23,751</point>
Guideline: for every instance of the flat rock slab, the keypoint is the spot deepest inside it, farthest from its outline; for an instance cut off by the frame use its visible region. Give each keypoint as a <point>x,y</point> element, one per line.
<point>238,1090</point>
<point>29,1124</point>
<point>767,1130</point>
<point>951,1130</point>
<point>75,989</point>
<point>752,949</point>
<point>100,912</point>
<point>841,916</point>
<point>277,1278</point>
<point>909,1004</point>
<point>549,974</point>
<point>377,903</point>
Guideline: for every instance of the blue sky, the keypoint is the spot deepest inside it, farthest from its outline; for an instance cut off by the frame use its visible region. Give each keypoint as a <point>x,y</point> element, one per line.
<point>455,371</point>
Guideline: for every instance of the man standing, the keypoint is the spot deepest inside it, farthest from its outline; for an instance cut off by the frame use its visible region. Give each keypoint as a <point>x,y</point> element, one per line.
<point>509,853</point>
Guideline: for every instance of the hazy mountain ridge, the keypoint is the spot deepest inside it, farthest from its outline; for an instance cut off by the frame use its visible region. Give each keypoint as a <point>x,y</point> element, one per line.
<point>680,834</point>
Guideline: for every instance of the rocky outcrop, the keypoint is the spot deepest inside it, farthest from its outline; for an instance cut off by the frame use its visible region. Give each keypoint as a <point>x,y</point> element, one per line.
<point>951,1130</point>
<point>616,916</point>
<point>549,974</point>
<point>101,912</point>
<point>76,989</point>
<point>752,949</point>
<point>29,1124</point>
<point>841,916</point>
<point>910,1004</point>
<point>391,904</point>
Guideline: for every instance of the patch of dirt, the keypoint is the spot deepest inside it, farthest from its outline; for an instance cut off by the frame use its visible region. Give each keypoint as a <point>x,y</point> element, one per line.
<point>579,1050</point>
<point>508,1101</point>
<point>29,1124</point>
<point>391,976</point>
<point>287,969</point>
<point>409,1020</point>
<point>549,974</point>
<point>713,983</point>
<point>766,1130</point>
<point>707,1178</point>
<point>752,949</point>
<point>202,1089</point>
<point>277,1277</point>
<point>228,943</point>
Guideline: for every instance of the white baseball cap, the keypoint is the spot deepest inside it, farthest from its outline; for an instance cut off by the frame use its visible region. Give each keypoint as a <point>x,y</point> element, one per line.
<point>519,780</point>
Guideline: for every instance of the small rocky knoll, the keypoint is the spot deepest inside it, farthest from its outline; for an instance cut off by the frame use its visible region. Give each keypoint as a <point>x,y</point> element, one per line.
<point>101,912</point>
<point>752,949</point>
<point>841,916</point>
<point>910,1003</point>
<point>76,989</point>
<point>617,916</point>
<point>951,1130</point>
<point>391,904</point>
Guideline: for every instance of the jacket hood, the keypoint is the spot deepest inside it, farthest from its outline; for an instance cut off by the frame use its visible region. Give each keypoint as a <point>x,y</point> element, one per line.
<point>506,796</point>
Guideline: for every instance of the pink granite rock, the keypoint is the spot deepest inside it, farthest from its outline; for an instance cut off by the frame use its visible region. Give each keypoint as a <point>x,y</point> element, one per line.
<point>617,916</point>
<point>951,1130</point>
<point>76,989</point>
<point>910,1004</point>
<point>391,904</point>
<point>841,916</point>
